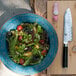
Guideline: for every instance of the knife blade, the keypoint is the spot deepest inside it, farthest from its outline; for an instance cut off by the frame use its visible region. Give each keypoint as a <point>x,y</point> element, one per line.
<point>67,35</point>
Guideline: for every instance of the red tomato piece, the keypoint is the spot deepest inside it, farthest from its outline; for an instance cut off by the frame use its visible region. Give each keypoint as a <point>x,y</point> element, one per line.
<point>22,61</point>
<point>41,41</point>
<point>20,38</point>
<point>44,52</point>
<point>19,27</point>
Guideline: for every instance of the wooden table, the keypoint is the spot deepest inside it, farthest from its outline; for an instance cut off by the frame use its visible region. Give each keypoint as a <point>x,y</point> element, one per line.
<point>56,67</point>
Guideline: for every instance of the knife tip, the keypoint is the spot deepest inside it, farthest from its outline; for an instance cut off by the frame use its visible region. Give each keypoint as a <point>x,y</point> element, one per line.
<point>68,9</point>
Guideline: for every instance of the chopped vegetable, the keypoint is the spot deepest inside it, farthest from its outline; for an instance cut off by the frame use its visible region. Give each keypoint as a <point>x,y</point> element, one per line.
<point>37,46</point>
<point>28,54</point>
<point>44,52</point>
<point>20,43</point>
<point>9,34</point>
<point>20,38</point>
<point>16,47</point>
<point>19,27</point>
<point>22,61</point>
<point>41,41</point>
<point>34,28</point>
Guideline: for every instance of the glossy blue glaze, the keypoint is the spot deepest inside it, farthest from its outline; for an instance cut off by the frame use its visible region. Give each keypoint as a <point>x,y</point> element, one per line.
<point>12,24</point>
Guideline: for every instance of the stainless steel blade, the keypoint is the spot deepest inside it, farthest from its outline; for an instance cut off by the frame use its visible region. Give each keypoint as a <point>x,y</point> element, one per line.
<point>67,26</point>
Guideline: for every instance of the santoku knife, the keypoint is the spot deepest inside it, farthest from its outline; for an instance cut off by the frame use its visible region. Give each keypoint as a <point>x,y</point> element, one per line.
<point>67,35</point>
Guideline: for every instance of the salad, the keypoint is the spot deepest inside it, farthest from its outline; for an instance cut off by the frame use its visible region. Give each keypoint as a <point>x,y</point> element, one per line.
<point>28,44</point>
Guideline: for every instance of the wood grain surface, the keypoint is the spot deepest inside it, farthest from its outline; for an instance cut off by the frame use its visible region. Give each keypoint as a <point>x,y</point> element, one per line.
<point>56,67</point>
<point>39,6</point>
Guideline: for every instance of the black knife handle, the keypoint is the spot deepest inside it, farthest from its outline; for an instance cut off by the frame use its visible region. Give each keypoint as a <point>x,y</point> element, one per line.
<point>65,56</point>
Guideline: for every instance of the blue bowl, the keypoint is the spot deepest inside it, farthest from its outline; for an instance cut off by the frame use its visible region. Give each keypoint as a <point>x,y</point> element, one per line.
<point>12,24</point>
